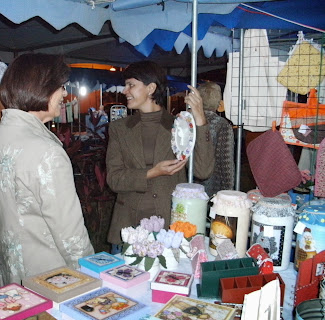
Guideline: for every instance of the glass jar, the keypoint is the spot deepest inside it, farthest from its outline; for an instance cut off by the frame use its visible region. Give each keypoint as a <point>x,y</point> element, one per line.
<point>189,204</point>
<point>272,228</point>
<point>230,210</point>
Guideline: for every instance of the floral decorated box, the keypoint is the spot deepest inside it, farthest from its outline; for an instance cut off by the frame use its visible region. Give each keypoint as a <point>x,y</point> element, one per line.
<point>17,302</point>
<point>96,263</point>
<point>180,307</point>
<point>61,283</point>
<point>169,283</point>
<point>125,276</point>
<point>103,304</point>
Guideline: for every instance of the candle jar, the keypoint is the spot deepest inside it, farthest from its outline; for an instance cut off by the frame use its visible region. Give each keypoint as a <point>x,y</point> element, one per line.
<point>272,228</point>
<point>189,204</point>
<point>230,210</point>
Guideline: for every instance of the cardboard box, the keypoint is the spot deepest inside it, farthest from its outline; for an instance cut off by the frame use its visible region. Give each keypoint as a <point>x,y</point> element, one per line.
<point>17,302</point>
<point>166,284</point>
<point>125,276</point>
<point>96,263</point>
<point>61,283</point>
<point>103,304</point>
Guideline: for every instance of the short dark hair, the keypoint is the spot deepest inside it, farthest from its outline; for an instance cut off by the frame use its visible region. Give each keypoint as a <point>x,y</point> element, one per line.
<point>31,79</point>
<point>149,72</point>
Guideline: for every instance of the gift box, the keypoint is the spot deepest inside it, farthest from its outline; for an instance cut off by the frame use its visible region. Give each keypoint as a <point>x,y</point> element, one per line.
<point>99,262</point>
<point>197,254</point>
<point>233,289</point>
<point>264,261</point>
<point>166,284</point>
<point>103,304</point>
<point>213,271</point>
<point>17,302</point>
<point>180,307</point>
<point>124,276</point>
<point>61,283</point>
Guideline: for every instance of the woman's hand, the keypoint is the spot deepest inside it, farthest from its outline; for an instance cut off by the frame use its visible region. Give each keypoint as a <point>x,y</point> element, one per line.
<point>194,100</point>
<point>166,168</point>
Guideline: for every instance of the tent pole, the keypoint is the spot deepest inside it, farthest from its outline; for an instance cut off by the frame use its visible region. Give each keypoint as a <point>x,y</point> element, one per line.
<point>193,72</point>
<point>240,108</point>
<point>100,95</point>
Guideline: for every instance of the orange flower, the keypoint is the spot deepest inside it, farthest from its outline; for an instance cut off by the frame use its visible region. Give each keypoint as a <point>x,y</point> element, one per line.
<point>187,228</point>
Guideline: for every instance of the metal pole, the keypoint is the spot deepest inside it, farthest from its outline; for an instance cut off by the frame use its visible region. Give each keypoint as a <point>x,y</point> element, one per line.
<point>193,72</point>
<point>240,108</point>
<point>100,95</point>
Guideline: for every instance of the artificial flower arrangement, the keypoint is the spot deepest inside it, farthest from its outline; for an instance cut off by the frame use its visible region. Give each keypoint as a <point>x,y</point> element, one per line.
<point>150,241</point>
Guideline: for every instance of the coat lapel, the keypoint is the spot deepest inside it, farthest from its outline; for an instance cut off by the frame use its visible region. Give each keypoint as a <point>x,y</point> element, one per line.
<point>133,142</point>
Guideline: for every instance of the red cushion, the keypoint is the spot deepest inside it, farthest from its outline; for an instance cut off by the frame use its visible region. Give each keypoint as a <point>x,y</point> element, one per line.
<point>273,166</point>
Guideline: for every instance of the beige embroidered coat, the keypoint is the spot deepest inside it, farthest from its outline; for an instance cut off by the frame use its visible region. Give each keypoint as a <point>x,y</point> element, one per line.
<point>126,169</point>
<point>41,222</point>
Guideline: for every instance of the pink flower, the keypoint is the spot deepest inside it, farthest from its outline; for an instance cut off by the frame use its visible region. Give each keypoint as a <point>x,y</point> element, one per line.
<point>153,224</point>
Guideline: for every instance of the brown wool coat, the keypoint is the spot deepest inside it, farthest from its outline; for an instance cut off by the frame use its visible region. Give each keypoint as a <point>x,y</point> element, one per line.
<point>126,169</point>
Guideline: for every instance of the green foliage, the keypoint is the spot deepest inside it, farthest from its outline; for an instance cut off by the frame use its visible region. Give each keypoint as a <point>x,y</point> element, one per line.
<point>180,208</point>
<point>162,261</point>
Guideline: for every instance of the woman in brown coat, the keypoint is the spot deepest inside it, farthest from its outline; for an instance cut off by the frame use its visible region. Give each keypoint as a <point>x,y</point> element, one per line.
<point>141,166</point>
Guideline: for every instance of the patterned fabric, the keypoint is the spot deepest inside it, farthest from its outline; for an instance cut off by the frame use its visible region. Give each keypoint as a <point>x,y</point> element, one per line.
<point>222,135</point>
<point>320,171</point>
<point>41,222</point>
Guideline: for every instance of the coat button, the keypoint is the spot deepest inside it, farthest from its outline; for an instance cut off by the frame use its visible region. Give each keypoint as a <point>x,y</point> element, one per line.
<point>154,195</point>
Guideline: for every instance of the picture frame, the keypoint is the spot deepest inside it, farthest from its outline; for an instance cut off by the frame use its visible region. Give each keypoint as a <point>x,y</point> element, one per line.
<point>180,306</point>
<point>17,302</point>
<point>61,283</point>
<point>103,304</point>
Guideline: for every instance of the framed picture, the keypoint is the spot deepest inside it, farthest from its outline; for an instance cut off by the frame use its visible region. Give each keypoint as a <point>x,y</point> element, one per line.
<point>61,283</point>
<point>17,302</point>
<point>180,307</point>
<point>103,304</point>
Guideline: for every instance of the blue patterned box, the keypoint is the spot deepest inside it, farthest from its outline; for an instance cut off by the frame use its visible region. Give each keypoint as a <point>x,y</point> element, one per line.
<point>96,263</point>
<point>103,304</point>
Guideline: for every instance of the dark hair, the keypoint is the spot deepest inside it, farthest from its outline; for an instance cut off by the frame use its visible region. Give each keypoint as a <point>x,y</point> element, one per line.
<point>148,72</point>
<point>30,81</point>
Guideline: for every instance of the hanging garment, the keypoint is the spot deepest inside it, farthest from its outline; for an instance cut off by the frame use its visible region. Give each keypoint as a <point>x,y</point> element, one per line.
<point>303,123</point>
<point>263,95</point>
<point>304,68</point>
<point>319,190</point>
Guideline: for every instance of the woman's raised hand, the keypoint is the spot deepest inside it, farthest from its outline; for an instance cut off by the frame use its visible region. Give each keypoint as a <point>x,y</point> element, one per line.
<point>194,100</point>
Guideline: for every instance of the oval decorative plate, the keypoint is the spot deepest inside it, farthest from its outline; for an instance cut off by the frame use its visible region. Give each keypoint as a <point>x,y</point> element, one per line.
<point>183,135</point>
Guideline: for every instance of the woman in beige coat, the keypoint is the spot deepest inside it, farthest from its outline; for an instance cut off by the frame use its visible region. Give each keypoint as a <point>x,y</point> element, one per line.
<point>41,222</point>
<point>141,166</point>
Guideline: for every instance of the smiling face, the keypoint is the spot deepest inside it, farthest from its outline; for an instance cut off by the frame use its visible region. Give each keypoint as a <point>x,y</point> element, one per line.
<point>138,95</point>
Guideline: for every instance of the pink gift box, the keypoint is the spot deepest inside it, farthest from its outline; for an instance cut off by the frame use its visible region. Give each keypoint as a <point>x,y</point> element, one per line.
<point>124,276</point>
<point>166,284</point>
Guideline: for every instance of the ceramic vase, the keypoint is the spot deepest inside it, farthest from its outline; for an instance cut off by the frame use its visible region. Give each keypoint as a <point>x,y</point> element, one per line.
<point>129,251</point>
<point>171,261</point>
<point>153,270</point>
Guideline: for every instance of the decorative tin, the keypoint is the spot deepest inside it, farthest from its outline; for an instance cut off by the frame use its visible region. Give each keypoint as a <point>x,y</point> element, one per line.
<point>96,263</point>
<point>189,204</point>
<point>311,309</point>
<point>230,209</point>
<point>272,228</point>
<point>312,240</point>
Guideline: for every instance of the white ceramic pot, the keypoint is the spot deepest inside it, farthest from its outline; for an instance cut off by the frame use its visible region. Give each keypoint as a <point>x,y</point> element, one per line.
<point>154,269</point>
<point>171,261</point>
<point>128,260</point>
